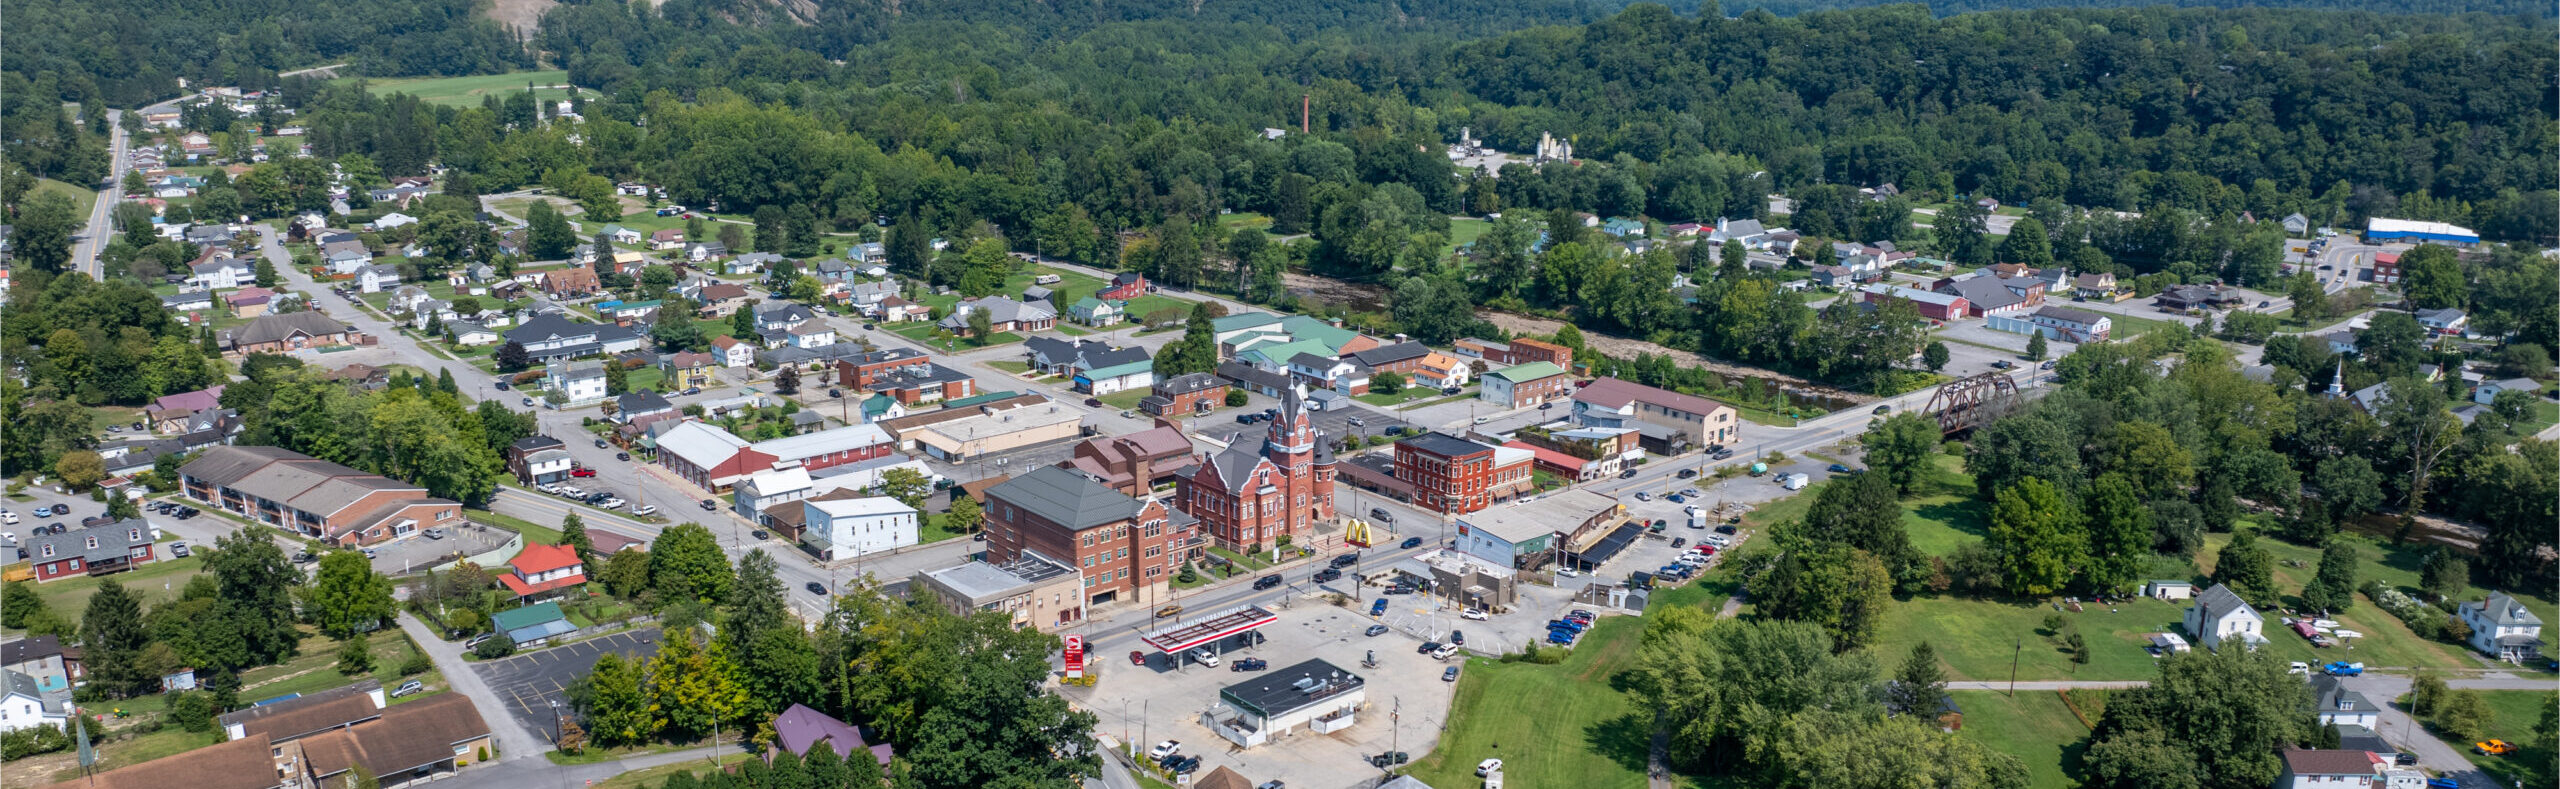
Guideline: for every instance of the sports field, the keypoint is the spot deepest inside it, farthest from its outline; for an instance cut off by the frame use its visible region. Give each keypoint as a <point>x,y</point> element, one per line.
<point>468,91</point>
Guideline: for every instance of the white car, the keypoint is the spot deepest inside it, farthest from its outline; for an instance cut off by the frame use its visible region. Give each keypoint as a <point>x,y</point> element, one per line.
<point>614,503</point>
<point>645,510</point>
<point>1488,767</point>
<point>2298,668</point>
<point>1475,614</point>
<point>1567,572</point>
<point>1203,657</point>
<point>1444,652</point>
<point>547,487</point>
<point>1164,749</point>
<point>570,490</point>
<point>8,517</point>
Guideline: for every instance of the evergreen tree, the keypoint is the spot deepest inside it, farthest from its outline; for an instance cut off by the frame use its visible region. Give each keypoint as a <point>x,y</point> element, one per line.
<point>573,533</point>
<point>755,600</point>
<point>1919,684</point>
<point>2246,566</point>
<point>445,383</point>
<point>2332,587</point>
<point>2444,574</point>
<point>111,632</point>
<point>2035,347</point>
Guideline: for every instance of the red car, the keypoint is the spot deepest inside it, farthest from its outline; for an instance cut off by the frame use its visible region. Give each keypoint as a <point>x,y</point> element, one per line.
<point>1137,658</point>
<point>582,472</point>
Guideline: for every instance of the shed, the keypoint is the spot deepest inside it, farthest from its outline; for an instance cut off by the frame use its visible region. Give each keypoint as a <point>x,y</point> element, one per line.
<point>2169,590</point>
<point>532,623</point>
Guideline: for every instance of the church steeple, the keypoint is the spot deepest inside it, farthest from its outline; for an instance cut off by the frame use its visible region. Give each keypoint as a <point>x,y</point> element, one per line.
<point>2338,381</point>
<point>1291,432</point>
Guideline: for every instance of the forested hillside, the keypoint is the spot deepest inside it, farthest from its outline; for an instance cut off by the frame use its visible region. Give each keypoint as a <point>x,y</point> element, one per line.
<point>1950,7</point>
<point>132,52</point>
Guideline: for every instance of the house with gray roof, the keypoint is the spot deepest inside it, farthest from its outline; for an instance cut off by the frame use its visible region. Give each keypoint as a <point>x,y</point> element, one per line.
<point>2502,628</point>
<point>24,704</point>
<point>2337,705</point>
<point>2220,615</point>
<point>111,547</point>
<point>1003,315</point>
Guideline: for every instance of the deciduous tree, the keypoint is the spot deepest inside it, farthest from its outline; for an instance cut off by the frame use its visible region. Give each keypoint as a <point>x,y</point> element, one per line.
<point>2037,537</point>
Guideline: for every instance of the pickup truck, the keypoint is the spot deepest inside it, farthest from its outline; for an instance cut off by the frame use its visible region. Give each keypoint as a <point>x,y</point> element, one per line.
<point>2343,669</point>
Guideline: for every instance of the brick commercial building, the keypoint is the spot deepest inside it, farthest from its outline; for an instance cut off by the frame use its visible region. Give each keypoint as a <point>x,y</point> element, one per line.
<point>715,459</point>
<point>1036,591</point>
<point>313,497</point>
<point>1137,462</point>
<point>1123,546</point>
<point>865,370</point>
<point>1251,495</point>
<point>1457,476</point>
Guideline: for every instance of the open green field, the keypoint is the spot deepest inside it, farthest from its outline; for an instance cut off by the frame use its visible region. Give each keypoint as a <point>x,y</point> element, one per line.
<point>1569,724</point>
<point>2387,642</point>
<point>1243,219</point>
<point>2513,714</point>
<point>152,584</point>
<point>468,91</point>
<point>83,199</point>
<point>1463,230</point>
<point>2127,326</point>
<point>2035,726</point>
<point>1125,399</point>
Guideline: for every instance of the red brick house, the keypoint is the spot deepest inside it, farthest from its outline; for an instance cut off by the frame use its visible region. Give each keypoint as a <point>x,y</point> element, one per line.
<point>1526,350</point>
<point>1189,393</point>
<point>1124,287</point>
<point>1127,549</point>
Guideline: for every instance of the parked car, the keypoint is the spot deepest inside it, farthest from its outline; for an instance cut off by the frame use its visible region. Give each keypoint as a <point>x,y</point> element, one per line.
<point>709,505</point>
<point>645,510</point>
<point>178,549</point>
<point>1381,515</point>
<point>2342,668</point>
<point>1375,631</point>
<point>2493,747</point>
<point>693,390</point>
<point>1378,608</point>
<point>600,443</point>
<point>1249,664</point>
<point>1642,495</point>
<point>1475,614</point>
<point>1449,674</point>
<point>1427,648</point>
<point>1884,409</point>
<point>478,640</point>
<point>8,517</point>
<point>1679,542</point>
<point>622,456</point>
<point>45,511</point>
<point>1841,469</point>
<point>835,393</point>
<point>410,687</point>
<point>1412,542</point>
<point>1488,767</point>
<point>1093,402</point>
<point>1204,657</point>
<point>1726,528</point>
<point>1458,637</point>
<point>1445,652</point>
<point>1137,658</point>
<point>1164,750</point>
<point>582,473</point>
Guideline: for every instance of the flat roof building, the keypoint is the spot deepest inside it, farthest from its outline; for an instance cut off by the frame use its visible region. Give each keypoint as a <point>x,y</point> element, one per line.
<point>1037,591</point>
<point>1318,695</point>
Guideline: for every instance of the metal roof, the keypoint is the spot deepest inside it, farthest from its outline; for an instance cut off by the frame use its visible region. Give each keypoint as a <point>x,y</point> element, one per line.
<point>1070,499</point>
<point>1185,635</point>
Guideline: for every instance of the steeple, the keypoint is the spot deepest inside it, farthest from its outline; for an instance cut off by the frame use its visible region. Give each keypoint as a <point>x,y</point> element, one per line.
<point>1291,433</point>
<point>2338,381</point>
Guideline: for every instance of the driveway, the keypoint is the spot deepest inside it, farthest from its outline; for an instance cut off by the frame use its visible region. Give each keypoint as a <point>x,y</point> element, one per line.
<point>2404,731</point>
<point>514,740</point>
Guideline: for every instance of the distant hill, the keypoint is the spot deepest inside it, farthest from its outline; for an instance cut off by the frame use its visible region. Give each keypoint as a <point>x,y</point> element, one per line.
<point>2535,8</point>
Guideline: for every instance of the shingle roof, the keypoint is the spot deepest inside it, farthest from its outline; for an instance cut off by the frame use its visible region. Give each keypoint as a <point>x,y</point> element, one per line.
<point>1615,393</point>
<point>115,539</point>
<point>2501,609</point>
<point>409,736</point>
<point>2219,601</point>
<point>276,328</point>
<point>234,764</point>
<point>799,727</point>
<point>2069,314</point>
<point>1390,354</point>
<point>2308,762</point>
<point>313,712</point>
<point>1187,383</point>
<point>1070,499</point>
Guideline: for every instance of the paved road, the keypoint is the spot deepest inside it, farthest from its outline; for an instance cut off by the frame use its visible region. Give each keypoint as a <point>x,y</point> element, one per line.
<point>542,774</point>
<point>93,238</point>
<point>514,741</point>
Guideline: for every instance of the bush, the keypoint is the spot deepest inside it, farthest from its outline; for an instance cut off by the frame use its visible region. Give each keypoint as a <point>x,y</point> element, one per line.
<point>2429,622</point>
<point>1236,398</point>
<point>33,740</point>
<point>192,711</point>
<point>355,656</point>
<point>495,648</point>
<point>417,664</point>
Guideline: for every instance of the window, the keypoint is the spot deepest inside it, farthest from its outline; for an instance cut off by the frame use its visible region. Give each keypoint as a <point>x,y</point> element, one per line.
<point>48,549</point>
<point>93,542</point>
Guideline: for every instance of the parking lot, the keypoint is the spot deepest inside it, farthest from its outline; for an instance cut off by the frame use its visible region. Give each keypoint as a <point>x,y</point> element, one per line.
<point>1156,702</point>
<point>528,684</point>
<point>418,552</point>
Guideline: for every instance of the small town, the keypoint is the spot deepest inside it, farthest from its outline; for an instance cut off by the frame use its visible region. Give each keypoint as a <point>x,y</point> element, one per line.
<point>849,412</point>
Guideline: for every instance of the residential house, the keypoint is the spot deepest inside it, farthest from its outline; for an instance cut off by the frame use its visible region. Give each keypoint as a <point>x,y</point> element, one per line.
<point>1255,379</point>
<point>770,498</point>
<point>2194,297</point>
<point>551,336</point>
<point>1125,287</point>
<point>1107,371</point>
<point>639,406</point>
<point>2487,392</point>
<point>1666,422</point>
<point>250,302</point>
<point>2501,628</point>
<point>2220,615</point>
<point>539,460</point>
<point>24,704</point>
<point>1126,548</point>
<point>689,368</point>
<point>753,263</point>
<point>1840,277</point>
<point>571,281</point>
<point>1188,393</point>
<point>869,252</point>
<point>721,300</point>
<point>580,382</point>
<point>733,352</point>
<point>1991,295</point>
<point>1402,358</point>
<point>288,332</point>
<point>2332,769</point>
<point>622,235</point>
<point>1526,385</point>
<point>1091,311</point>
<point>1003,315</point>
<point>1440,371</point>
<point>2101,285</point>
<point>666,239</point>
<point>1346,376</point>
<point>2296,225</point>
<point>1492,352</point>
<point>221,272</point>
<point>211,235</point>
<point>1622,227</point>
<point>2444,321</point>
<point>846,528</point>
<point>897,309</point>
<point>373,279</point>
<point>799,728</point>
<point>1941,307</point>
<point>2056,323</point>
<point>192,301</point>
<point>467,334</point>
<point>781,316</point>
<point>867,297</point>
<point>392,220</point>
<point>540,570</point>
<point>701,251</point>
<point>814,334</point>
<point>312,497</point>
<point>43,658</point>
<point>2336,705</point>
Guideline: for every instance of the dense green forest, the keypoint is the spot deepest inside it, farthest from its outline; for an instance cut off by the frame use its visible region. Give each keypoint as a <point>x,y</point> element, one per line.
<point>1949,7</point>
<point>133,52</point>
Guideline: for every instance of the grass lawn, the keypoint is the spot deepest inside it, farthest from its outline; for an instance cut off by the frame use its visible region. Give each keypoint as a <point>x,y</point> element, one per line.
<point>2035,727</point>
<point>1073,330</point>
<point>85,200</point>
<point>1017,368</point>
<point>2513,714</point>
<point>1249,562</point>
<point>653,776</point>
<point>1241,219</point>
<point>2127,326</point>
<point>2387,642</point>
<point>1143,306</point>
<point>642,379</point>
<point>517,206</point>
<point>168,741</point>
<point>1402,396</point>
<point>315,668</point>
<point>468,91</point>
<point>1125,399</point>
<point>1463,230</point>
<point>533,532</point>
<point>1569,724</point>
<point>152,584</point>
<point>105,416</point>
<point>937,527</point>
<point>1969,634</point>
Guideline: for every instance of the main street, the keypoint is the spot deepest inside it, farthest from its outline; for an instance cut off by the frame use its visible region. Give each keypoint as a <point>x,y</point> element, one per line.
<point>93,237</point>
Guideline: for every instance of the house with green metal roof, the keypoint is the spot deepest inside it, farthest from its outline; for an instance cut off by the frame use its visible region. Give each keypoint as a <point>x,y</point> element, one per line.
<point>532,623</point>
<point>975,400</point>
<point>880,406</point>
<point>1138,374</point>
<point>1091,311</point>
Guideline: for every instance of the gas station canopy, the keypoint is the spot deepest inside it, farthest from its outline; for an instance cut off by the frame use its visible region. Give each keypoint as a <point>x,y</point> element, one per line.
<point>1185,635</point>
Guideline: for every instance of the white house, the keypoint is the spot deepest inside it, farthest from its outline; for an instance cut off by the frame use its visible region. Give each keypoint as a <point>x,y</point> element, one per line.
<point>758,495</point>
<point>2502,628</point>
<point>24,705</point>
<point>2219,614</point>
<point>394,219</point>
<point>2332,769</point>
<point>733,352</point>
<point>2444,321</point>
<point>372,279</point>
<point>221,273</point>
<point>2336,705</point>
<point>581,382</point>
<point>813,334</point>
<point>623,235</point>
<point>852,527</point>
<point>469,335</point>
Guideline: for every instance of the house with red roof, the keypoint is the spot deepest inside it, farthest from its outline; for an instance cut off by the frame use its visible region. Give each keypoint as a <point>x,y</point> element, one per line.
<point>543,568</point>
